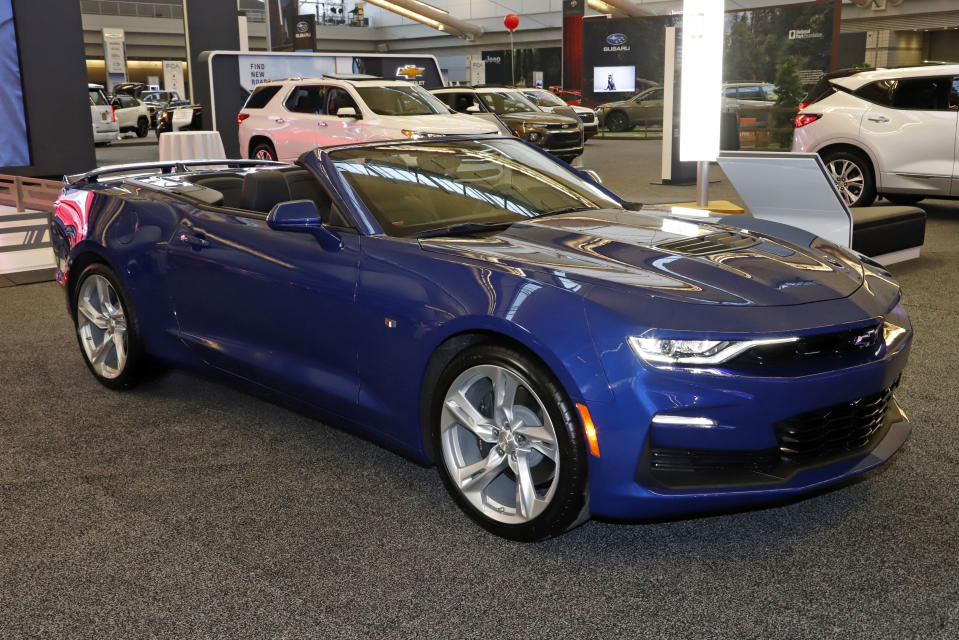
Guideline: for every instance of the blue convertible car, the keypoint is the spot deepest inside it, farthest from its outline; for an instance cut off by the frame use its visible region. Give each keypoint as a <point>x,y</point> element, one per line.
<point>475,304</point>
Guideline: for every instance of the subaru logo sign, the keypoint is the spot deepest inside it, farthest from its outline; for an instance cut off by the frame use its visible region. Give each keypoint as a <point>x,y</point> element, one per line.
<point>616,39</point>
<point>302,26</point>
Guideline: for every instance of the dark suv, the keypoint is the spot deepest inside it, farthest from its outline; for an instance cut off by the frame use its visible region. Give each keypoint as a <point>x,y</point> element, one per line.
<point>559,134</point>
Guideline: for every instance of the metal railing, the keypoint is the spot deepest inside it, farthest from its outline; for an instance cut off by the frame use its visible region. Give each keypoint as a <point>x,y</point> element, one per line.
<point>131,9</point>
<point>29,193</point>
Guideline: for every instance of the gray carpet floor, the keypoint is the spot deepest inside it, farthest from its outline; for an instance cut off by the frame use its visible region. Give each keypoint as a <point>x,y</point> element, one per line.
<point>188,509</point>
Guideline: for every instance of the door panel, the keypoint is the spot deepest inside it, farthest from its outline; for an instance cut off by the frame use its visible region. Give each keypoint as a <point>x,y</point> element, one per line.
<point>269,306</point>
<point>912,132</point>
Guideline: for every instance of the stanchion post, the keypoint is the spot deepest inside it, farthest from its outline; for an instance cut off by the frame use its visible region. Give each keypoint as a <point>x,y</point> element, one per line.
<point>702,183</point>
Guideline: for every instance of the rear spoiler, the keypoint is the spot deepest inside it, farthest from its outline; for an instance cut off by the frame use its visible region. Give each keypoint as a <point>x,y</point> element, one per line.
<point>174,166</point>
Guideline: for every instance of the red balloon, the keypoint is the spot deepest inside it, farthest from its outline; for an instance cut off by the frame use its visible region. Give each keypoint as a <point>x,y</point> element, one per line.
<point>511,21</point>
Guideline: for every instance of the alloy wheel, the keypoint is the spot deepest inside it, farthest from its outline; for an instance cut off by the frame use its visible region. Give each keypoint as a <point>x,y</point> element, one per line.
<point>499,445</point>
<point>262,154</point>
<point>848,178</point>
<point>102,326</point>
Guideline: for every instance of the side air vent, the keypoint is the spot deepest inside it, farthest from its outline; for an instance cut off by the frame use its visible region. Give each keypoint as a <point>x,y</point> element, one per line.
<point>709,243</point>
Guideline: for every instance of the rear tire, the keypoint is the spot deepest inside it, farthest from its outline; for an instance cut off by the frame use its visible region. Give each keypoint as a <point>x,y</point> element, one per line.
<point>903,199</point>
<point>143,127</point>
<point>510,449</point>
<point>263,151</point>
<point>107,329</point>
<point>853,176</point>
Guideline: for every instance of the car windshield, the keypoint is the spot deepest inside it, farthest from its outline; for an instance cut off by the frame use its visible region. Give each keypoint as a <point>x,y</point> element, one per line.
<point>401,100</point>
<point>417,188</point>
<point>500,102</point>
<point>544,99</point>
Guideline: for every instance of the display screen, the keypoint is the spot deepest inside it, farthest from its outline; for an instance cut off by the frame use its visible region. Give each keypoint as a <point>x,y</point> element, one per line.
<point>14,149</point>
<point>614,79</point>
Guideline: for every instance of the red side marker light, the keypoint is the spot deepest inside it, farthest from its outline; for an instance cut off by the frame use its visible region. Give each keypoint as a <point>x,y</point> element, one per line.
<point>243,116</point>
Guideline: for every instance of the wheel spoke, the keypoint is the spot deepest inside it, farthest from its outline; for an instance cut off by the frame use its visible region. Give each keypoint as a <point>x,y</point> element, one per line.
<point>473,478</point>
<point>505,386</point>
<point>103,349</point>
<point>119,344</point>
<point>525,489</point>
<point>88,311</point>
<point>468,416</point>
<point>541,439</point>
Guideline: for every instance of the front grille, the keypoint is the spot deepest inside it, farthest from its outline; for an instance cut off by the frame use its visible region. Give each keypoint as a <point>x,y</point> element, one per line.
<point>841,428</point>
<point>564,140</point>
<point>585,117</point>
<point>706,244</point>
<point>805,440</point>
<point>844,344</point>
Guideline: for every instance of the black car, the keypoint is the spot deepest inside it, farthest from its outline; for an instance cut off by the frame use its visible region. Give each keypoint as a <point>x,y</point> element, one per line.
<point>157,101</point>
<point>561,135</point>
<point>180,118</point>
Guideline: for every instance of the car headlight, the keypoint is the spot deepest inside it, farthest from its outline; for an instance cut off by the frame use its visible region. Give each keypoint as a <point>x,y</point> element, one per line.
<point>685,352</point>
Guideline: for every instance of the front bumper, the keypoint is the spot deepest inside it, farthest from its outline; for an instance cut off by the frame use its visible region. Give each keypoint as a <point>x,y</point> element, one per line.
<point>745,457</point>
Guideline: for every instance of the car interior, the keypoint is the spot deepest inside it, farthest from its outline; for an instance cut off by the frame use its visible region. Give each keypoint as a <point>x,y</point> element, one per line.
<point>259,191</point>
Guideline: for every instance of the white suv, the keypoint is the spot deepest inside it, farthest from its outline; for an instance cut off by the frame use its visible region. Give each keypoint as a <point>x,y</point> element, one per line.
<point>104,121</point>
<point>889,132</point>
<point>283,119</point>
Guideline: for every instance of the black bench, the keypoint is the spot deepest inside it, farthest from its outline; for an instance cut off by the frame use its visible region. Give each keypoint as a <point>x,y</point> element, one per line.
<point>891,234</point>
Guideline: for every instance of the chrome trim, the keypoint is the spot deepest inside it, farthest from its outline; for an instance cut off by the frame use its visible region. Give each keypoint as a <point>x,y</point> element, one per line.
<point>922,176</point>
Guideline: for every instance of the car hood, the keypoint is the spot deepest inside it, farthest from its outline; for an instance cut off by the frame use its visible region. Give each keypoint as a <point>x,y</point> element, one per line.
<point>447,124</point>
<point>538,117</point>
<point>631,251</point>
<point>610,105</point>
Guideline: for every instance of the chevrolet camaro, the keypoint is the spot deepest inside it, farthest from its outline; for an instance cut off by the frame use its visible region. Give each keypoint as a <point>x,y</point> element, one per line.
<point>556,352</point>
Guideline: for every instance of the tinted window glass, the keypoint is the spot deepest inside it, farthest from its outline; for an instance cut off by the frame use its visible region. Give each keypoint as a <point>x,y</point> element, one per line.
<point>954,94</point>
<point>260,96</point>
<point>126,102</point>
<point>339,99</point>
<point>544,98</point>
<point>926,94</point>
<point>413,188</point>
<point>731,92</point>
<point>877,92</point>
<point>751,93</point>
<point>500,102</point>
<point>306,99</point>
<point>401,100</point>
<point>460,101</point>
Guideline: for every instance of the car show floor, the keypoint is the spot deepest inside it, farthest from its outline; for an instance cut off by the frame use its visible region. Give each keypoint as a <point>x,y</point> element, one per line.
<point>185,508</point>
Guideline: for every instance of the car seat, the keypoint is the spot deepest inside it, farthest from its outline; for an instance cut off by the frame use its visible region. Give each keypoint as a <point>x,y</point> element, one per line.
<point>262,190</point>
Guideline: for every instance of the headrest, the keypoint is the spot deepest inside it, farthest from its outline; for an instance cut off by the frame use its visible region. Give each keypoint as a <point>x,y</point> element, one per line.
<point>262,190</point>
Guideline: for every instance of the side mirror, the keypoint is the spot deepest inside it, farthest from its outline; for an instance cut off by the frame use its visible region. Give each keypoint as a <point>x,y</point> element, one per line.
<point>346,112</point>
<point>302,216</point>
<point>473,108</point>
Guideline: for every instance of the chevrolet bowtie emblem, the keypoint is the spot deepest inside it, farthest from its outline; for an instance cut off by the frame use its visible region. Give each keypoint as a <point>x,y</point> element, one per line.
<point>410,71</point>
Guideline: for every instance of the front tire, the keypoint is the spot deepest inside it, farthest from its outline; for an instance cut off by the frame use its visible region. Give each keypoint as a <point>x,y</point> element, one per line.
<point>617,121</point>
<point>263,151</point>
<point>853,177</point>
<point>107,329</point>
<point>511,452</point>
<point>143,127</point>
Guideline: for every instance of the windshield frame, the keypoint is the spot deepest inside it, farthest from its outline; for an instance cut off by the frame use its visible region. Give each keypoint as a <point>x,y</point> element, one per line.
<point>543,96</point>
<point>415,90</point>
<point>373,221</point>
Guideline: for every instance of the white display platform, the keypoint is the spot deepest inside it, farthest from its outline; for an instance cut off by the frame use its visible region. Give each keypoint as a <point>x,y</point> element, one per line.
<point>191,145</point>
<point>790,188</point>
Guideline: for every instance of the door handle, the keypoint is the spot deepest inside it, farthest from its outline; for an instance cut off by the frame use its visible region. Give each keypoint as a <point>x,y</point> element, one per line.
<point>877,118</point>
<point>194,241</point>
<point>279,120</point>
<point>321,123</point>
